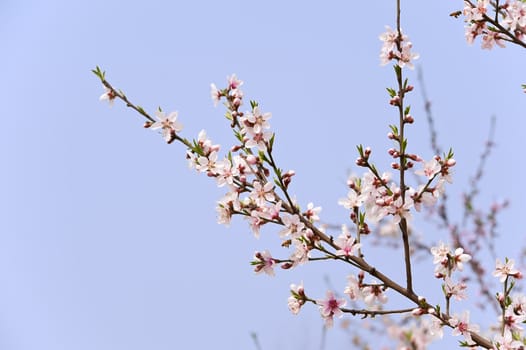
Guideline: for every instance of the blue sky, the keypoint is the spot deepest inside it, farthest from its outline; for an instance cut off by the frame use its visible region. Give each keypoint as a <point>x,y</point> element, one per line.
<point>108,241</point>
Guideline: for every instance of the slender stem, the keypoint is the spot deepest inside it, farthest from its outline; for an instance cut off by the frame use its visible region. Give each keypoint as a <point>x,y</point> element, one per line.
<point>503,306</point>
<point>280,180</point>
<point>374,313</point>
<point>403,161</point>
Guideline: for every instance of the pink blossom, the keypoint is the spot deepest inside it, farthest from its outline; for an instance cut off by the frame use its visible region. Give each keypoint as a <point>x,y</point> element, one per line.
<point>374,294</point>
<point>168,124</point>
<point>459,258</point>
<point>353,200</point>
<point>512,322</point>
<point>226,206</point>
<point>518,302</point>
<point>293,226</point>
<point>226,173</point>
<point>475,13</point>
<point>215,93</point>
<point>406,56</point>
<point>264,262</point>
<point>256,122</point>
<point>474,30</point>
<point>272,212</point>
<point>430,169</point>
<point>259,140</point>
<point>312,212</point>
<point>461,326</point>
<point>297,299</point>
<point>436,329</point>
<point>515,18</point>
<point>208,163</point>
<point>456,290</point>
<point>261,193</point>
<point>301,253</point>
<point>233,82</point>
<point>256,221</point>
<point>330,307</point>
<point>353,289</point>
<point>347,244</point>
<point>506,342</point>
<point>440,253</point>
<point>490,38</point>
<point>389,37</point>
<point>109,95</point>
<point>502,271</point>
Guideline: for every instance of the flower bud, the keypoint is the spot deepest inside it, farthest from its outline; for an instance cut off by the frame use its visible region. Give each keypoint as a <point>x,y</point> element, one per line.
<point>395,101</point>
<point>286,266</point>
<point>418,311</point>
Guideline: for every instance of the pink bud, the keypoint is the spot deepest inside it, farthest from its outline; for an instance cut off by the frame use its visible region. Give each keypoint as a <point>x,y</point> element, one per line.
<point>395,101</point>
<point>409,119</point>
<point>286,266</point>
<point>418,312</point>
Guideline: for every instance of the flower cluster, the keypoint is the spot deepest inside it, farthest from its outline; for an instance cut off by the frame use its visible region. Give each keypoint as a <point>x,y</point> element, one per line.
<point>373,294</point>
<point>447,261</point>
<point>396,46</point>
<point>513,308</point>
<point>509,23</point>
<point>416,335</point>
<point>379,196</point>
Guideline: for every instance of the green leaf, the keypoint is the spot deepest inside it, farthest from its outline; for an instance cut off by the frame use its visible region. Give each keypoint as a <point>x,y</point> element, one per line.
<point>263,157</point>
<point>98,72</point>
<point>360,150</point>
<point>271,142</point>
<point>394,129</point>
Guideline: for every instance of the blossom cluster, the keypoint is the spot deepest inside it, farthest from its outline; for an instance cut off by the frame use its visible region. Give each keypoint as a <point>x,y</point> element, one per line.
<point>380,197</point>
<point>396,46</point>
<point>373,294</point>
<point>509,23</point>
<point>513,308</point>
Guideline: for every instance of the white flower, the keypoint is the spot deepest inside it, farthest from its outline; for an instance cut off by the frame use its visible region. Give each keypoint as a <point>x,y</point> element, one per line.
<point>168,124</point>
